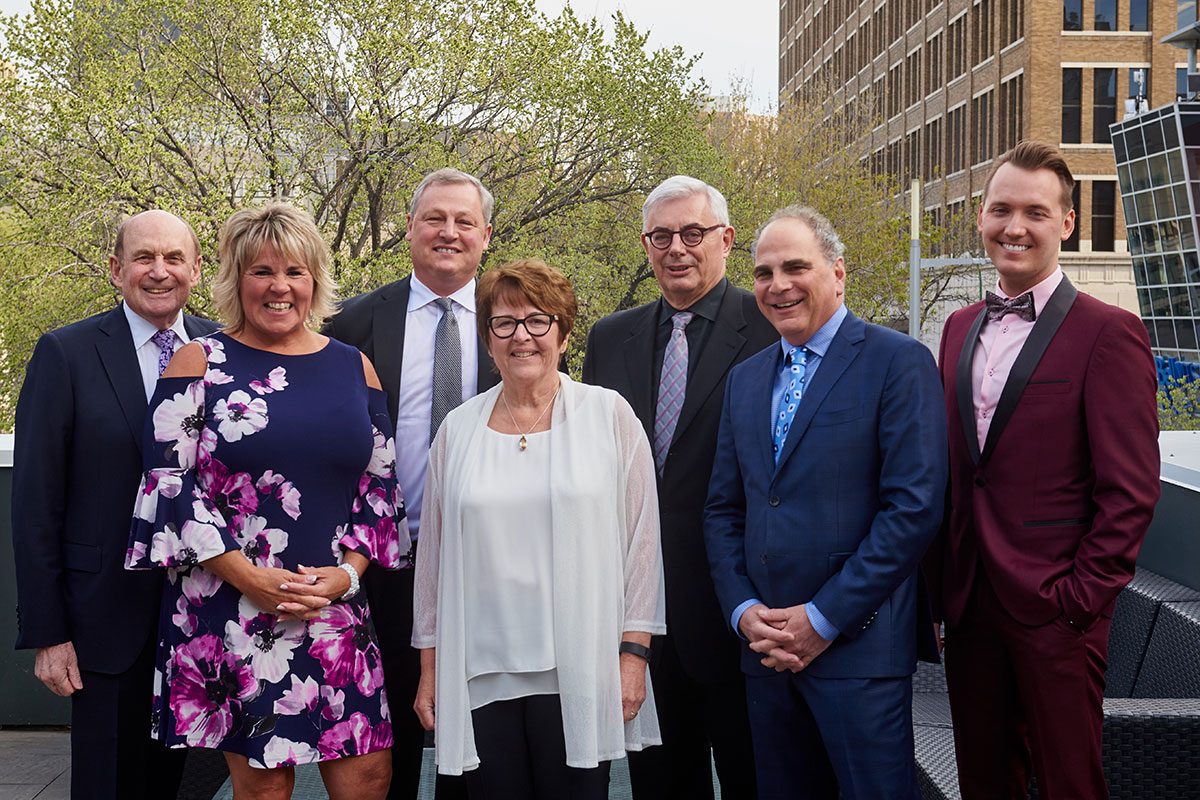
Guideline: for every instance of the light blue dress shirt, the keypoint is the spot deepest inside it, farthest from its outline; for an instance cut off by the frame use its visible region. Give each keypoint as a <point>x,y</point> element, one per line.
<point>817,346</point>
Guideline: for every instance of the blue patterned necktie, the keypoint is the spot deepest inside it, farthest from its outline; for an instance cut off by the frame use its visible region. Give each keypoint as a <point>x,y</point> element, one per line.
<point>166,348</point>
<point>672,386</point>
<point>793,369</point>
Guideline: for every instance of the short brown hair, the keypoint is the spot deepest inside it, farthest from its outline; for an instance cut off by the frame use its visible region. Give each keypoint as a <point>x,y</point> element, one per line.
<point>529,279</point>
<point>1033,156</point>
<point>294,234</point>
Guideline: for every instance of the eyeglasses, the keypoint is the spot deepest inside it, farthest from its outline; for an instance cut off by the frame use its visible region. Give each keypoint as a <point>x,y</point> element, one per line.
<point>691,236</point>
<point>535,325</point>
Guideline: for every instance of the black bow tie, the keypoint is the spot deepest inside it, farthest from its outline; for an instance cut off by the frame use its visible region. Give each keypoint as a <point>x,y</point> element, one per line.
<point>998,306</point>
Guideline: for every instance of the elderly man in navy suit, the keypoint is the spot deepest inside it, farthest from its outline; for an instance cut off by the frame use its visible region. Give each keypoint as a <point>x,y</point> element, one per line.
<point>827,488</point>
<point>76,469</point>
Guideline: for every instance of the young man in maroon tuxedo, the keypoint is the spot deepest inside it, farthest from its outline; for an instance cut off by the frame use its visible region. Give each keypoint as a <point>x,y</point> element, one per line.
<point>1054,469</point>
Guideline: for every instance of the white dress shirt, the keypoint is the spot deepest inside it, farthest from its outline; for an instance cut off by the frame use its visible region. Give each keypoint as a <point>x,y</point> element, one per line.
<point>415,400</point>
<point>147,351</point>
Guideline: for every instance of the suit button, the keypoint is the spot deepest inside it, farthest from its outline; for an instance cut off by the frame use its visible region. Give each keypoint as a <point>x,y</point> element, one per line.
<point>763,558</point>
<point>773,501</point>
<point>980,480</point>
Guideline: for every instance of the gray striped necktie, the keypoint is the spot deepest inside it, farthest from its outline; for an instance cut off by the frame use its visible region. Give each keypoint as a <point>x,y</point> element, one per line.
<point>447,367</point>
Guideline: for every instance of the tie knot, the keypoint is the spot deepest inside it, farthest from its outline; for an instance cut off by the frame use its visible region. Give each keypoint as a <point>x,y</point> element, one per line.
<point>680,319</point>
<point>797,356</point>
<point>998,307</point>
<point>444,303</point>
<point>164,339</point>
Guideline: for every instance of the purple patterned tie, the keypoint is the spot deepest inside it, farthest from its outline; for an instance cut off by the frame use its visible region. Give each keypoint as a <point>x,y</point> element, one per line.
<point>672,386</point>
<point>166,348</point>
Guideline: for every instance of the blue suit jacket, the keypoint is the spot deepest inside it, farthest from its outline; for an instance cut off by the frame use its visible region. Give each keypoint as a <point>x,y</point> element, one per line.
<point>77,462</point>
<point>847,514</point>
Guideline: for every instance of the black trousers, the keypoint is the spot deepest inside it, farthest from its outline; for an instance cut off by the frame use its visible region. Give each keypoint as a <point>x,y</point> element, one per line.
<point>700,723</point>
<point>112,754</point>
<point>522,754</point>
<point>391,598</point>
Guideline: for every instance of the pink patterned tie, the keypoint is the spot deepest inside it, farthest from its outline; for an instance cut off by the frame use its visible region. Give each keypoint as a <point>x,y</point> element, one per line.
<point>672,385</point>
<point>166,348</point>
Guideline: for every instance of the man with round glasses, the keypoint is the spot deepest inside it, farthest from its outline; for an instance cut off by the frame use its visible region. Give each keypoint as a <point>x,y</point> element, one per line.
<point>669,359</point>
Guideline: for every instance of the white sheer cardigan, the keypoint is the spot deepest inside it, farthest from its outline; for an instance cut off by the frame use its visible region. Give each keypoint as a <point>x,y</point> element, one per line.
<point>606,561</point>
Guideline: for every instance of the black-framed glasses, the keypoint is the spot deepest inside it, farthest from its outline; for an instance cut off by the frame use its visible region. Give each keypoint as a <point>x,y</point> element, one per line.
<point>691,236</point>
<point>535,325</point>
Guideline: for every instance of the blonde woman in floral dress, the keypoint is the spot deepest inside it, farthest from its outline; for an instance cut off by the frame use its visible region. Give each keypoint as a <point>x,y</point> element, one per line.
<point>269,487</point>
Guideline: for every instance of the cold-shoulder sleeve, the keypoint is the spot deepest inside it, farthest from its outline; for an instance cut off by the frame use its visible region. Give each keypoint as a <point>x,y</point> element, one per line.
<point>175,522</point>
<point>376,528</point>
<point>645,600</point>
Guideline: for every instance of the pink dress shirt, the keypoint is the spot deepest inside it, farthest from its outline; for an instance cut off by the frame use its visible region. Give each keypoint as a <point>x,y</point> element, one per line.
<point>999,344</point>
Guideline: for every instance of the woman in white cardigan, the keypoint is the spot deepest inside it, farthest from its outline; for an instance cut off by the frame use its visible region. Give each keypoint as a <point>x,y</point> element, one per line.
<point>538,572</point>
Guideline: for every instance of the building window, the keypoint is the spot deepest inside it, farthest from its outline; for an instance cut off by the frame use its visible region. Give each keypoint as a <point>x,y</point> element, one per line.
<point>933,149</point>
<point>1104,103</point>
<point>1012,99</point>
<point>933,63</point>
<point>954,140</point>
<point>1072,105</point>
<point>1071,245</point>
<point>1104,209</point>
<point>981,128</point>
<point>982,30</point>
<point>1139,15</point>
<point>912,79</point>
<point>1012,21</point>
<point>1186,13</point>
<point>957,47</point>
<point>1072,15</point>
<point>1106,15</point>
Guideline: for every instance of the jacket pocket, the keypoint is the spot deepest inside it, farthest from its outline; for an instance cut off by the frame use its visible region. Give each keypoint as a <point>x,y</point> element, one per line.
<point>81,557</point>
<point>1054,386</point>
<point>1055,523</point>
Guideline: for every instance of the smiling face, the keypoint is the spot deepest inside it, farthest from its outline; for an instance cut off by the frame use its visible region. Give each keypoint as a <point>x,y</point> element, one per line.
<point>157,267</point>
<point>685,274</point>
<point>1023,225</point>
<point>276,294</point>
<point>524,360</point>
<point>448,234</point>
<point>796,287</point>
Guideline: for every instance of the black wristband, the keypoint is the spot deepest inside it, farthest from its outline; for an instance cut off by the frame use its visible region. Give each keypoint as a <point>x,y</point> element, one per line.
<point>633,648</point>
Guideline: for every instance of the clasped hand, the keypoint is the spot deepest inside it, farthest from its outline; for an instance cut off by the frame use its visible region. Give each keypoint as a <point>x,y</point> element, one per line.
<point>297,595</point>
<point>784,636</point>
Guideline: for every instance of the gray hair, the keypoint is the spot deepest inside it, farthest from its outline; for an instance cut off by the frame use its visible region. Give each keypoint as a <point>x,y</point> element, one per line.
<point>827,237</point>
<point>678,187</point>
<point>449,175</point>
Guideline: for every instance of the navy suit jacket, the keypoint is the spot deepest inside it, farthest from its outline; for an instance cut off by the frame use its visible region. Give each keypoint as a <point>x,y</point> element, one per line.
<point>76,467</point>
<point>845,517</point>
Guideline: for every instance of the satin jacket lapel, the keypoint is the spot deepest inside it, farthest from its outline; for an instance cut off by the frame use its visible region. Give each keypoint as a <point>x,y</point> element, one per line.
<point>963,389</point>
<point>723,345</point>
<point>844,348</point>
<point>387,336</point>
<point>639,360</point>
<point>115,348</point>
<point>1047,325</point>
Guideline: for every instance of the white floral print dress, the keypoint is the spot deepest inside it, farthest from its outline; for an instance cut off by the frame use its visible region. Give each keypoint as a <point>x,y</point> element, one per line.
<point>289,459</point>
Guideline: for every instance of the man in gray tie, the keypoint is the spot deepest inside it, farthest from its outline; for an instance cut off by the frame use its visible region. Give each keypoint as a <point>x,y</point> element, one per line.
<point>77,464</point>
<point>420,334</point>
<point>669,359</point>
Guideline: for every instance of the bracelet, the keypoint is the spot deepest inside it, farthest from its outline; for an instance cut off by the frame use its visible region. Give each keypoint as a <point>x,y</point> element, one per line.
<point>353,573</point>
<point>635,649</point>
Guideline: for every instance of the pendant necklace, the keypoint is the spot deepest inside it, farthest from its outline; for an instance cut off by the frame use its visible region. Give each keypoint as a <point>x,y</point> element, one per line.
<point>522,442</point>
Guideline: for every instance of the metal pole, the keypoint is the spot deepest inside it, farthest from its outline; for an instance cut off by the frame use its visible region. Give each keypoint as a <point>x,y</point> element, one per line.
<point>914,264</point>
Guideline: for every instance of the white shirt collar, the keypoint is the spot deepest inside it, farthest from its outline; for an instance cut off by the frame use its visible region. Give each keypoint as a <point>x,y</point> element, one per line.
<point>420,295</point>
<point>143,331</point>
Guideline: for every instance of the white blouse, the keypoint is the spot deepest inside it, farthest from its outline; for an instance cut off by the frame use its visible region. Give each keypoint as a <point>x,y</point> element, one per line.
<point>507,559</point>
<point>606,569</point>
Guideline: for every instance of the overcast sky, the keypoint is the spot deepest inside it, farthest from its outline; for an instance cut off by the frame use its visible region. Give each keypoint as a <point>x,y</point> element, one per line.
<point>734,40</point>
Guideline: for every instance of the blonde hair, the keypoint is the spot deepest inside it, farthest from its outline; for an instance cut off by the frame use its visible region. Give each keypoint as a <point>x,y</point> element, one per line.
<point>294,234</point>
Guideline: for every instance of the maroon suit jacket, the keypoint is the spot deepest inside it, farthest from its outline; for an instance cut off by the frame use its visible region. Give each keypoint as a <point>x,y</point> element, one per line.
<point>1055,506</point>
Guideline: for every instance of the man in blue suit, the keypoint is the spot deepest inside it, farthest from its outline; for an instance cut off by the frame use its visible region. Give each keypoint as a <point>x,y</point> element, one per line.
<point>827,488</point>
<point>78,459</point>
